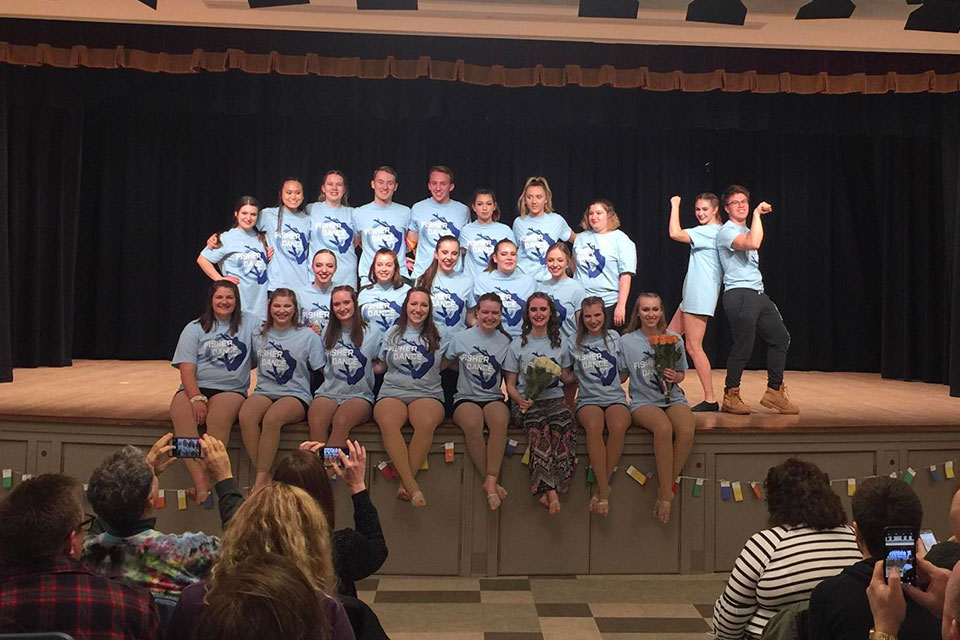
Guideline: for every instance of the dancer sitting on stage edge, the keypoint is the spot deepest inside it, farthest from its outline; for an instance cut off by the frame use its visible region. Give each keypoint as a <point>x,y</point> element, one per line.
<point>748,308</point>
<point>701,286</point>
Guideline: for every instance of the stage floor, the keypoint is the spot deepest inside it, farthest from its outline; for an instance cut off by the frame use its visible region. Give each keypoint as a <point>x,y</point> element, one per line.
<point>139,392</point>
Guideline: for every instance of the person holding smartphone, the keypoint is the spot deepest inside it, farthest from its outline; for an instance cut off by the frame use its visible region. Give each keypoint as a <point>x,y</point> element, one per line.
<point>214,359</point>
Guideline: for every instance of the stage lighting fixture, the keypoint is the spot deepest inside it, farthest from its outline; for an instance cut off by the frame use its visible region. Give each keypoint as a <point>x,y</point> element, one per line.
<point>609,9</point>
<point>717,11</point>
<point>263,4</point>
<point>820,9</point>
<point>935,15</point>
<point>150,3</point>
<point>387,5</point>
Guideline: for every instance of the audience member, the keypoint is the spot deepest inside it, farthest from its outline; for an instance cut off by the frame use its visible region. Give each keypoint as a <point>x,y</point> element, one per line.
<point>946,554</point>
<point>123,493</point>
<point>808,540</point>
<point>43,587</point>
<point>839,608</point>
<point>941,597</point>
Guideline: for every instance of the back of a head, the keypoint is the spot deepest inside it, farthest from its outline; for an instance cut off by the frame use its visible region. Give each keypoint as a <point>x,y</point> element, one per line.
<point>884,502</point>
<point>264,597</point>
<point>799,493</point>
<point>37,518</point>
<point>119,487</point>
<point>305,469</point>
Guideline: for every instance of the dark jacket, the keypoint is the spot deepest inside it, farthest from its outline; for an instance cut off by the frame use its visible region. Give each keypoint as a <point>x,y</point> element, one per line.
<point>839,609</point>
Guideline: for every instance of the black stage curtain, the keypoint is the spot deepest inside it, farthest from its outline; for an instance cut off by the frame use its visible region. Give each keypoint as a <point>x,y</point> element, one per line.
<point>858,252</point>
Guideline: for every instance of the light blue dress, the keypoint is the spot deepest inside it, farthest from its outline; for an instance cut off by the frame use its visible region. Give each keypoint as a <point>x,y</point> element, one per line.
<point>701,286</point>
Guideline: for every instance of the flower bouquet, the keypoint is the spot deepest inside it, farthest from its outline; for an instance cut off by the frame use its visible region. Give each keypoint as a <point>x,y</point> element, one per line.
<point>666,355</point>
<point>540,375</point>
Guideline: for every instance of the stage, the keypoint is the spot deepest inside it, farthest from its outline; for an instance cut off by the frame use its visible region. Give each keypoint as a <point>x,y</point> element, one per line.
<point>853,425</point>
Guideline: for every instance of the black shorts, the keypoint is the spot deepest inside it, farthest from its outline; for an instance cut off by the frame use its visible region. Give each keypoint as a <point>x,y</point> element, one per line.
<point>479,403</point>
<point>306,405</point>
<point>608,311</point>
<point>212,392</point>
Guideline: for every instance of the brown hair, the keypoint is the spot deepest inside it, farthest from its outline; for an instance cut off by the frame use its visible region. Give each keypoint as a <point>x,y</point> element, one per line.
<point>734,189</point>
<point>321,197</point>
<point>613,220</point>
<point>582,327</point>
<point>486,192</point>
<point>492,263</point>
<point>562,247</point>
<point>334,329</point>
<point>385,169</point>
<point>713,201</point>
<point>535,181</point>
<point>799,493</point>
<point>635,316</point>
<point>282,292</point>
<point>208,319</point>
<point>553,324</point>
<point>305,469</point>
<point>38,517</point>
<point>439,168</point>
<point>242,202</point>
<point>395,281</point>
<point>428,331</point>
<point>430,273</point>
<point>490,296</point>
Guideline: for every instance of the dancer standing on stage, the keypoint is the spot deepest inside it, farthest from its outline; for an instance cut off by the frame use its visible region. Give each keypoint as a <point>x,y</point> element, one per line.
<point>748,308</point>
<point>350,345</point>
<point>701,286</point>
<point>241,254</point>
<point>479,237</point>
<point>452,294</point>
<point>606,260</point>
<point>411,390</point>
<point>593,352</point>
<point>381,224</point>
<point>668,419</point>
<point>213,356</point>
<point>434,218</point>
<point>479,354</point>
<point>505,279</point>
<point>332,225</point>
<point>314,299</point>
<point>288,230</point>
<point>538,228</point>
<point>285,352</point>
<point>547,420</point>
<point>381,303</point>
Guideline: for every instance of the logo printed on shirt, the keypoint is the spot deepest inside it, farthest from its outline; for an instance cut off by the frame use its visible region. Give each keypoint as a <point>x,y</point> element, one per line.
<point>294,243</point>
<point>226,350</point>
<point>413,358</point>
<point>481,248</point>
<point>254,260</point>
<point>449,305</point>
<point>599,364</point>
<point>318,314</point>
<point>537,242</point>
<point>350,360</point>
<point>591,257</point>
<point>512,306</point>
<point>382,311</point>
<point>482,367</point>
<point>339,232</point>
<point>561,310</point>
<point>384,236</point>
<point>277,363</point>
<point>439,226</point>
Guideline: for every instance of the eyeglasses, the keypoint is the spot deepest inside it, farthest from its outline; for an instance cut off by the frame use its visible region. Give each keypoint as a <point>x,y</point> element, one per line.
<point>737,203</point>
<point>86,522</point>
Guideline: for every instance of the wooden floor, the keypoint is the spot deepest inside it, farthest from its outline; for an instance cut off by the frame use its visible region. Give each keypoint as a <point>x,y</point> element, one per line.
<point>139,392</point>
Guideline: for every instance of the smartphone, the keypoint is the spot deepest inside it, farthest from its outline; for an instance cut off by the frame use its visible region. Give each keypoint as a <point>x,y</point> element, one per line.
<point>186,448</point>
<point>900,544</point>
<point>333,453</point>
<point>928,539</point>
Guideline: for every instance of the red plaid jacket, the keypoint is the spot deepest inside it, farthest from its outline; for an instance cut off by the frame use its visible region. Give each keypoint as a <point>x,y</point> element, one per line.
<point>60,594</point>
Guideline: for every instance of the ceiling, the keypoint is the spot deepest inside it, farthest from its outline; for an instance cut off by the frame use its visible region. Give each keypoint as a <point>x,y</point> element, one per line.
<point>876,25</point>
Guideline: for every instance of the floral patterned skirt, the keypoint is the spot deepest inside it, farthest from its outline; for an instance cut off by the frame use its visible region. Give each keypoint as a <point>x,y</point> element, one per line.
<point>552,433</point>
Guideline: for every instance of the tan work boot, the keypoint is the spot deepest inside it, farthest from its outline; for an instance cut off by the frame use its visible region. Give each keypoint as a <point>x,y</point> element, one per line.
<point>778,400</point>
<point>732,402</point>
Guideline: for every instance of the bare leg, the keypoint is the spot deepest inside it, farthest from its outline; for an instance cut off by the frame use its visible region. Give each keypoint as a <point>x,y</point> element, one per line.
<point>283,411</point>
<point>251,415</point>
<point>352,413</point>
<point>426,414</point>
<point>683,427</point>
<point>469,417</point>
<point>655,420</point>
<point>591,417</point>
<point>676,323</point>
<point>184,426</point>
<point>618,420</point>
<point>570,395</point>
<point>222,412</point>
<point>497,416</point>
<point>696,326</point>
<point>390,415</point>
<point>319,417</point>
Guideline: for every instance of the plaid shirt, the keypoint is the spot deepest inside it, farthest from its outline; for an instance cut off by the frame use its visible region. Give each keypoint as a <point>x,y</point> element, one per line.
<point>60,594</point>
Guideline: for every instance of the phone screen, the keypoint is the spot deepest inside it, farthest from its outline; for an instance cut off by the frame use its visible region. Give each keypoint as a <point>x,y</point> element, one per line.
<point>928,539</point>
<point>333,453</point>
<point>186,448</point>
<point>901,547</point>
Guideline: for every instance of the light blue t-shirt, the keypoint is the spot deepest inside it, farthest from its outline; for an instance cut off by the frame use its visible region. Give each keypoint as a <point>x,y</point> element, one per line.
<point>636,358</point>
<point>381,305</point>
<point>284,360</point>
<point>701,286</point>
<point>223,361</point>
<point>567,295</point>
<point>741,269</point>
<point>519,357</point>
<point>513,289</point>
<point>534,237</point>
<point>432,220</point>
<point>243,256</point>
<point>481,357</point>
<point>595,365</point>
<point>290,265</point>
<point>452,296</point>
<point>601,259</point>
<point>478,241</point>
<point>332,228</point>
<point>348,372</point>
<point>380,228</point>
<point>412,371</point>
<point>315,305</point>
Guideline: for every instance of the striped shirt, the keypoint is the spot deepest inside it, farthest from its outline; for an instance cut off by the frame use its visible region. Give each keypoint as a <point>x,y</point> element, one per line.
<point>779,567</point>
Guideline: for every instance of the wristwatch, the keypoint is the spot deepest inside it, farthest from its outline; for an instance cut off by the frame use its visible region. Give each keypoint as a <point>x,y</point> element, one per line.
<point>881,635</point>
<point>198,398</point>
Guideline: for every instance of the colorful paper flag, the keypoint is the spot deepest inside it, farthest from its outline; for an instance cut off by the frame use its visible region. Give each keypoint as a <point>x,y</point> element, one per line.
<point>591,476</point>
<point>426,464</point>
<point>935,473</point>
<point>637,475</point>
<point>893,474</point>
<point>851,486</point>
<point>948,469</point>
<point>526,456</point>
<point>448,452</point>
<point>737,492</point>
<point>26,477</point>
<point>676,485</point>
<point>698,487</point>
<point>756,490</point>
<point>386,470</point>
<point>7,478</point>
<point>86,497</point>
<point>181,499</point>
<point>909,475</point>
<point>726,493</point>
<point>161,499</point>
<point>511,447</point>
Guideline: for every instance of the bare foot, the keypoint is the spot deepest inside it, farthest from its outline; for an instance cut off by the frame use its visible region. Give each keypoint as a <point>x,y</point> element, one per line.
<point>603,508</point>
<point>502,492</point>
<point>661,510</point>
<point>262,480</point>
<point>403,494</point>
<point>545,501</point>
<point>594,499</point>
<point>417,499</point>
<point>200,491</point>
<point>554,506</point>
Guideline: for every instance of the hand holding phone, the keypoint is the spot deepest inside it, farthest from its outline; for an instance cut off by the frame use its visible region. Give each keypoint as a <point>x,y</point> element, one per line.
<point>900,545</point>
<point>186,448</point>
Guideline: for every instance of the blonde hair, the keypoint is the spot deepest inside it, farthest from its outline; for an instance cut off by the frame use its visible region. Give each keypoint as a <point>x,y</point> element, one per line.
<point>613,220</point>
<point>282,519</point>
<point>535,181</point>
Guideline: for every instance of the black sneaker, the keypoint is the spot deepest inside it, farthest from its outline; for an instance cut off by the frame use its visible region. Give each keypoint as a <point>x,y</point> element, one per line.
<point>707,406</point>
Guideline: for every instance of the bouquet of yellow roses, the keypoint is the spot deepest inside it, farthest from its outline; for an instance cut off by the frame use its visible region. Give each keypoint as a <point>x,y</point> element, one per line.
<point>666,355</point>
<point>540,374</point>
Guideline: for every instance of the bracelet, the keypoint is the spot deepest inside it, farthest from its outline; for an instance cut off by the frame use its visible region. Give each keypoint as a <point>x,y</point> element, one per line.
<point>198,398</point>
<point>881,635</point>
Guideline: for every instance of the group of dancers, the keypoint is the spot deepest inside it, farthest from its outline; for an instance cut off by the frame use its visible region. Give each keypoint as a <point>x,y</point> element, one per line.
<point>443,328</point>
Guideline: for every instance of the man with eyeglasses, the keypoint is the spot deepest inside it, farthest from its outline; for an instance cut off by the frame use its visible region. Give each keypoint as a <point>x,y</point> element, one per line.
<point>43,586</point>
<point>749,310</point>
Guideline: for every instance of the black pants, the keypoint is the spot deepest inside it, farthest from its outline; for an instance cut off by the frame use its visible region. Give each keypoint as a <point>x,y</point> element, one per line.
<point>751,312</point>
